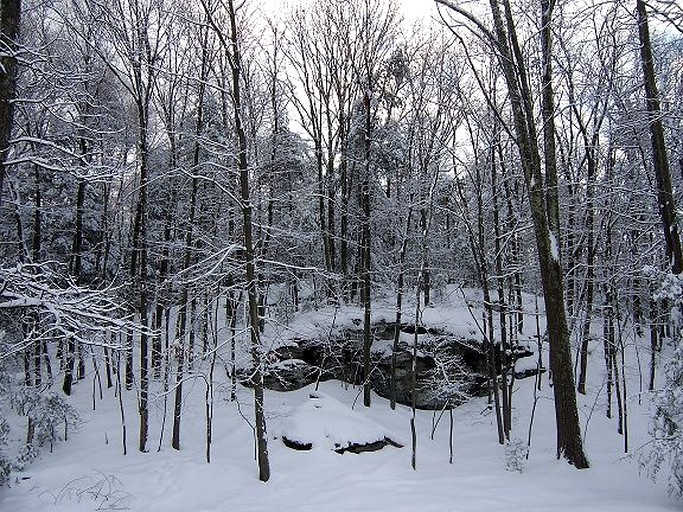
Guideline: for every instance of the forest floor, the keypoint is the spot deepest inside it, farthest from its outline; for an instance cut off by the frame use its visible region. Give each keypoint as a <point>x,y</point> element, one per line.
<point>90,472</point>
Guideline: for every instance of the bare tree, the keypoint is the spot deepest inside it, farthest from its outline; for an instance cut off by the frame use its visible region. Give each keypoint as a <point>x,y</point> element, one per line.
<point>503,39</point>
<point>136,33</point>
<point>231,45</point>
<point>665,197</point>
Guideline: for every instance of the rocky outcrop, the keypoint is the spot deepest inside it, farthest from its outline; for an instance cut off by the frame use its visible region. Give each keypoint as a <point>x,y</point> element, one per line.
<point>289,375</point>
<point>448,368</point>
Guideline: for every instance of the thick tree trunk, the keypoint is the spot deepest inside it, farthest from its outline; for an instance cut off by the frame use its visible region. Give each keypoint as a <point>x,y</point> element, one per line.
<point>548,115</point>
<point>139,272</point>
<point>569,443</point>
<point>665,198</point>
<point>10,16</point>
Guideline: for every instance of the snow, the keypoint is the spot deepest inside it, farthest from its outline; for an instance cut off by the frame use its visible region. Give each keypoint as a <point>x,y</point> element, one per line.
<point>554,247</point>
<point>90,472</point>
<point>526,364</point>
<point>449,313</point>
<point>330,424</point>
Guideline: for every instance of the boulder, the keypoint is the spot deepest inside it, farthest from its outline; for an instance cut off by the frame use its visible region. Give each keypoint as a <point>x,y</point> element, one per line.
<point>324,423</point>
<point>291,351</point>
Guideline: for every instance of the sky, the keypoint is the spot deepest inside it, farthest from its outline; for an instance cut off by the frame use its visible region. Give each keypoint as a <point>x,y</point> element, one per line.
<point>417,8</point>
<point>412,9</point>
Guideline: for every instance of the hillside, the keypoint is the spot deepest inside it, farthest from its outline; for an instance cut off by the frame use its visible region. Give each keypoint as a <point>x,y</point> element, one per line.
<point>89,472</point>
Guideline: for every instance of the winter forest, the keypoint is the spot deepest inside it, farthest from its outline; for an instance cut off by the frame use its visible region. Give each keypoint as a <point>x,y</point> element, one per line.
<point>341,254</point>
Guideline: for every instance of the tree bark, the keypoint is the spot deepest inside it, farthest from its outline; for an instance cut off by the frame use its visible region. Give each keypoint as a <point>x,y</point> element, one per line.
<point>249,259</point>
<point>10,18</point>
<point>665,198</point>
<point>366,252</point>
<point>548,116</point>
<point>503,39</point>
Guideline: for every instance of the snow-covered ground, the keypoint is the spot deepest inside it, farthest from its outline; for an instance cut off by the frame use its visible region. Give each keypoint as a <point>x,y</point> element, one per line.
<point>90,472</point>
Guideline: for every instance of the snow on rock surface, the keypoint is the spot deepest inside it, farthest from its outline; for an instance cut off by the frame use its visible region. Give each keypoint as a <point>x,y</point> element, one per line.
<point>325,423</point>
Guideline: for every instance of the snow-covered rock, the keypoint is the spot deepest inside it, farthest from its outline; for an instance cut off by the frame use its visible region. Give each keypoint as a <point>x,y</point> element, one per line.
<point>325,423</point>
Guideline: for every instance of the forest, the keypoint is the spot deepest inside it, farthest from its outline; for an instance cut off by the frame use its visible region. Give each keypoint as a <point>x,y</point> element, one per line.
<point>206,206</point>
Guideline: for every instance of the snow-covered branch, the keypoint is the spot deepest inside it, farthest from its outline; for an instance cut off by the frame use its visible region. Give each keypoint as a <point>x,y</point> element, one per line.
<point>65,310</point>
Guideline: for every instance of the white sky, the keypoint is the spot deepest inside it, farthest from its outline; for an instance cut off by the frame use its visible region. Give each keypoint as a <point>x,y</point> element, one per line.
<point>412,9</point>
<point>418,8</point>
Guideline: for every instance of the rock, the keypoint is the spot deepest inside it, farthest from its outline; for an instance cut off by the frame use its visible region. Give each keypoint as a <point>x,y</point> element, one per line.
<point>306,360</point>
<point>521,352</point>
<point>296,445</point>
<point>410,329</point>
<point>292,351</point>
<point>289,375</point>
<point>527,372</point>
<point>368,447</point>
<point>324,423</point>
<point>384,330</point>
<point>381,379</point>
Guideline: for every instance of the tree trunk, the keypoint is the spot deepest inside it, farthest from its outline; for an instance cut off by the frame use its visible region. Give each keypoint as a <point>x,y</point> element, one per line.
<point>505,368</point>
<point>10,17</point>
<point>77,245</point>
<point>366,251</point>
<point>515,261</point>
<point>548,115</point>
<point>665,198</point>
<point>399,306</point>
<point>590,270</point>
<point>249,259</point>
<point>140,273</point>
<point>345,196</point>
<point>183,325</point>
<point>569,443</point>
<point>654,342</point>
<point>70,357</point>
<point>37,218</point>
